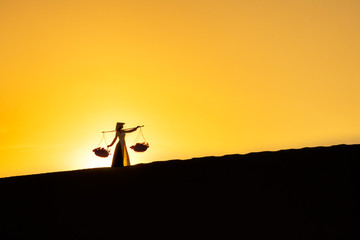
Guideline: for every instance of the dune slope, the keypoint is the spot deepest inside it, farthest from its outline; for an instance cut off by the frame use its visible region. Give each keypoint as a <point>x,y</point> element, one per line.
<point>309,193</point>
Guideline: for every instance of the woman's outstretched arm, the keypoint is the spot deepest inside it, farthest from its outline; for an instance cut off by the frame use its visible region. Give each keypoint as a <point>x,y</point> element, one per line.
<point>129,130</point>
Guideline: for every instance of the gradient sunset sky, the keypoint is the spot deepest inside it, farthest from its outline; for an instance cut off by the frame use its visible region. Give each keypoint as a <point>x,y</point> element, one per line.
<point>205,77</point>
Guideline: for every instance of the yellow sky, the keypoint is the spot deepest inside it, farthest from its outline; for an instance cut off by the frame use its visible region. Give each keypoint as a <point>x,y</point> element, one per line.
<point>205,77</point>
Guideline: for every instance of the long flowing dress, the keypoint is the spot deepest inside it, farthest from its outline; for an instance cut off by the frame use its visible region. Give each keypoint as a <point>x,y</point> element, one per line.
<point>121,156</point>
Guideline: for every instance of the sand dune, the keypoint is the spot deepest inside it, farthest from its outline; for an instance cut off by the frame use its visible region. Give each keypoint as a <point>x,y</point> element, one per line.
<point>309,193</point>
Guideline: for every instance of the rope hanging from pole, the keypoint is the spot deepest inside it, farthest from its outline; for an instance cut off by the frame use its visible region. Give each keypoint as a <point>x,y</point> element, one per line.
<point>103,138</point>
<point>140,134</point>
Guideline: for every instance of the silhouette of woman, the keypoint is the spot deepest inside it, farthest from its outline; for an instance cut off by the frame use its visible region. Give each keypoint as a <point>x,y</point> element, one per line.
<point>121,155</point>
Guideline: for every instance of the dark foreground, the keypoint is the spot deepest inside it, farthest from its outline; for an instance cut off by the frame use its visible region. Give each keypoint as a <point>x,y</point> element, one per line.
<point>309,193</point>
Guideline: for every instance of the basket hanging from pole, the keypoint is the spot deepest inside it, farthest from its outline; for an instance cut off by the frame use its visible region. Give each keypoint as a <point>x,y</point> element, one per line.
<point>100,151</point>
<point>140,146</point>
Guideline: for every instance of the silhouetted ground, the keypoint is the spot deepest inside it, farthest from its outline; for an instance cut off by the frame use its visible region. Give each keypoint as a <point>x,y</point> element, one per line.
<point>309,193</point>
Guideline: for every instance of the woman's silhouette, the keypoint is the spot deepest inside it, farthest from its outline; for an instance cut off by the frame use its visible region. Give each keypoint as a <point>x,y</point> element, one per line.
<point>121,155</point>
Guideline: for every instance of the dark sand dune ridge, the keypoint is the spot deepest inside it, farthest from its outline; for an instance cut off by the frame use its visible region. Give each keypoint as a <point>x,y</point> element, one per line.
<point>309,193</point>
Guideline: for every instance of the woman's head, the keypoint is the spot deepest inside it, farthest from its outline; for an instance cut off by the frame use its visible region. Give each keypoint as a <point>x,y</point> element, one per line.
<point>119,125</point>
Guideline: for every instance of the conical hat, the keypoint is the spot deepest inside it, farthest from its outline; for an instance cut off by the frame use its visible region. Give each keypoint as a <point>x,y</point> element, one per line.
<point>119,125</point>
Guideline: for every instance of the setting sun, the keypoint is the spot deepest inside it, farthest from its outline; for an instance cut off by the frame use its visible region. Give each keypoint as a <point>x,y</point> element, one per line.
<point>203,77</point>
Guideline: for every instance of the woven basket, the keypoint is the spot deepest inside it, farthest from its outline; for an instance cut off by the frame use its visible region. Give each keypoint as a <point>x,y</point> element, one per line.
<point>101,152</point>
<point>140,147</point>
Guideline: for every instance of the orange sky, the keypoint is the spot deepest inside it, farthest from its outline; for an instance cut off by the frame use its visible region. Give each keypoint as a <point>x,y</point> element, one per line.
<point>205,77</point>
